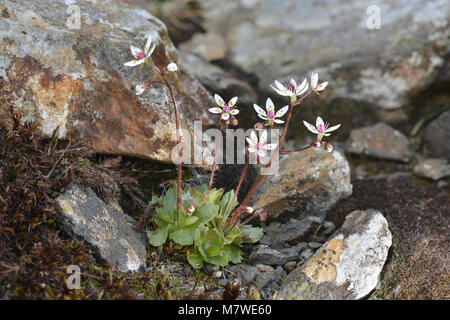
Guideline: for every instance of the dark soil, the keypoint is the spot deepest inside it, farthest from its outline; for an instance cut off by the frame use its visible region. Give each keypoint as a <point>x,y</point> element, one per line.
<point>418,214</point>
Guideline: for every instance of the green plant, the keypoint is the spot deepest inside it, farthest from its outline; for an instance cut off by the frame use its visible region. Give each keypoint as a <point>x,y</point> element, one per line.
<point>202,226</point>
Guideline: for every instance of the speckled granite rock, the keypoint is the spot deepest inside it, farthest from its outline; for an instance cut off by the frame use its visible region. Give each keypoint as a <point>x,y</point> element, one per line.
<point>104,226</point>
<point>347,266</point>
<point>279,39</point>
<point>433,169</point>
<point>307,183</point>
<point>380,141</point>
<point>75,78</point>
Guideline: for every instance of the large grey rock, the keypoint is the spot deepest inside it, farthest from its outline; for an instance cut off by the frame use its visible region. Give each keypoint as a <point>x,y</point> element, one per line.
<point>307,183</point>
<point>347,266</point>
<point>380,141</point>
<point>53,76</point>
<point>104,226</point>
<point>279,39</point>
<point>437,136</point>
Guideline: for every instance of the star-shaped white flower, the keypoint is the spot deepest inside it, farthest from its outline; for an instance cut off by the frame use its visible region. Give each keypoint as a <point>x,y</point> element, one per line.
<point>225,109</point>
<point>315,85</point>
<point>293,90</point>
<point>141,56</point>
<point>259,146</point>
<point>321,129</point>
<point>270,116</point>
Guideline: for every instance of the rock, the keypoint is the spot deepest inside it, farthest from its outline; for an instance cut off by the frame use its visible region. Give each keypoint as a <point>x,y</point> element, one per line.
<point>380,141</point>
<point>314,245</point>
<point>329,228</point>
<point>246,273</point>
<point>104,226</point>
<point>437,137</point>
<point>266,255</point>
<point>307,183</point>
<point>384,66</point>
<point>433,169</point>
<point>347,266</point>
<point>209,46</point>
<point>217,80</point>
<point>75,79</point>
<point>293,231</point>
<point>289,266</point>
<point>267,278</point>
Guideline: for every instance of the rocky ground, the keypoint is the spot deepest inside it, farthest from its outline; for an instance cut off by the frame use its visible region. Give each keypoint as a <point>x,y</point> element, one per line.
<point>81,154</point>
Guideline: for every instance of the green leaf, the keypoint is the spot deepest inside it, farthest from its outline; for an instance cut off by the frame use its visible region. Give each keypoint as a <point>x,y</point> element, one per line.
<point>251,234</point>
<point>231,235</point>
<point>184,236</point>
<point>206,212</point>
<point>195,259</point>
<point>225,204</point>
<point>157,237</point>
<point>233,252</point>
<point>186,221</point>
<point>219,260</point>
<point>213,195</point>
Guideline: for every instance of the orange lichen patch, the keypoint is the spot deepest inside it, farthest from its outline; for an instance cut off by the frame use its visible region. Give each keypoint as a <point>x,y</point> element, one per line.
<point>321,267</point>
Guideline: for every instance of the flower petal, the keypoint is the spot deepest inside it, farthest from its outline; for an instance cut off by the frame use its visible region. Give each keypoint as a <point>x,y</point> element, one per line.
<point>251,149</point>
<point>215,110</point>
<point>280,86</point>
<point>250,141</point>
<point>133,63</point>
<point>135,51</point>
<point>293,83</point>
<point>232,102</point>
<point>225,116</point>
<point>333,128</point>
<point>283,92</point>
<point>319,122</point>
<point>278,121</point>
<point>321,86</point>
<point>301,89</point>
<point>281,112</point>
<point>269,105</point>
<point>260,111</point>
<point>140,89</point>
<point>263,137</point>
<point>147,45</point>
<point>219,100</point>
<point>310,127</point>
<point>314,79</point>
<point>261,153</point>
<point>254,137</point>
<point>234,112</point>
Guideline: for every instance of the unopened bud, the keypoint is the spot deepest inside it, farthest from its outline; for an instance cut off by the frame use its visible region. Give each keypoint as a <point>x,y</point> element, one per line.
<point>234,121</point>
<point>259,126</point>
<point>263,216</point>
<point>328,147</point>
<point>316,144</point>
<point>226,122</point>
<point>248,210</point>
<point>191,208</point>
<point>172,67</point>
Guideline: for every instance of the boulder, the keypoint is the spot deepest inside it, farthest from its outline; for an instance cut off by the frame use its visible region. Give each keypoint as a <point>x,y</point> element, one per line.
<point>347,266</point>
<point>380,141</point>
<point>383,66</point>
<point>104,226</point>
<point>437,136</point>
<point>306,183</point>
<point>74,79</point>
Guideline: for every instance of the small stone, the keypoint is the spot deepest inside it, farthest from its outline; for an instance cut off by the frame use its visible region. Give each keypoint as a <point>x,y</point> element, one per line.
<point>209,46</point>
<point>434,169</point>
<point>294,231</point>
<point>437,137</point>
<point>328,228</point>
<point>314,245</point>
<point>442,184</point>
<point>290,265</point>
<point>222,282</point>
<point>380,141</point>
<point>266,255</point>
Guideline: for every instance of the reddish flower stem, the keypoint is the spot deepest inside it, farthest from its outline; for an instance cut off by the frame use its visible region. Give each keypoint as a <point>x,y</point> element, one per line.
<point>295,150</point>
<point>214,163</point>
<point>177,125</point>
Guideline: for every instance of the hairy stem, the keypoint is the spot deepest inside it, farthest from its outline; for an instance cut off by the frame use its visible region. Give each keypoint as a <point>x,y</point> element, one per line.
<point>214,163</point>
<point>177,125</point>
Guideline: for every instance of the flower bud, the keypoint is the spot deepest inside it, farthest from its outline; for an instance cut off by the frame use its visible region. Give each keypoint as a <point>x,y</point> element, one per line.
<point>234,121</point>
<point>316,144</point>
<point>328,147</point>
<point>172,67</point>
<point>259,126</point>
<point>263,216</point>
<point>191,208</point>
<point>248,210</point>
<point>226,122</point>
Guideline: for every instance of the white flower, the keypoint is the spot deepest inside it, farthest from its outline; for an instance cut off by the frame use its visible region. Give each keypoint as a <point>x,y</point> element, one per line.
<point>320,129</point>
<point>225,109</point>
<point>140,88</point>
<point>260,146</point>
<point>140,55</point>
<point>172,67</point>
<point>270,116</point>
<point>314,84</point>
<point>293,90</point>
